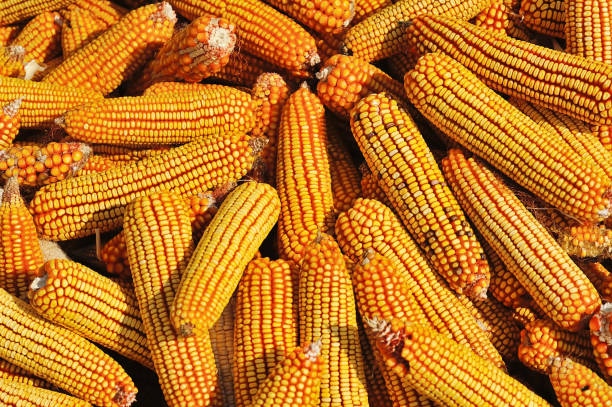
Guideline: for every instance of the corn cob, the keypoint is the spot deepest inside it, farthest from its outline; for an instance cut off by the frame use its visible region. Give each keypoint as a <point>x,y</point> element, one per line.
<point>9,371</point>
<point>143,121</point>
<point>577,385</point>
<point>158,237</point>
<point>399,64</point>
<point>103,10</point>
<point>345,178</point>
<point>96,163</point>
<point>159,88</point>
<point>604,135</point>
<point>370,185</point>
<point>344,80</point>
<point>222,340</point>
<point>587,29</point>
<point>382,34</point>
<point>68,361</point>
<point>378,396</point>
<point>19,250</point>
<point>371,225</point>
<point>13,63</point>
<point>76,207</point>
<point>327,311</point>
<point>41,102</point>
<point>10,121</point>
<point>80,29</point>
<point>327,45</point>
<point>295,381</point>
<point>40,71</point>
<point>288,45</point>
<point>504,332</point>
<point>41,37</point>
<point>36,166</point>
<point>13,394</point>
<point>319,15</point>
<point>303,177</point>
<point>243,221</point>
<point>600,277</point>
<point>266,328</point>
<point>523,315</point>
<point>544,16</point>
<point>366,8</point>
<point>269,94</point>
<point>117,53</point>
<point>394,148</point>
<point>197,51</point>
<point>243,69</point>
<point>494,18</point>
<point>445,371</point>
<point>122,154</point>
<point>114,256</point>
<point>504,286</point>
<point>91,305</point>
<point>12,11</point>
<point>601,339</point>
<point>8,34</point>
<point>556,284</point>
<point>509,140</point>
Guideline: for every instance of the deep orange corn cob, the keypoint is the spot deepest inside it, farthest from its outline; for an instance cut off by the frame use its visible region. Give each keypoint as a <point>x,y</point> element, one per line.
<point>116,54</point>
<point>509,140</point>
<point>41,102</point>
<point>344,80</point>
<point>169,118</point>
<point>36,166</point>
<point>103,10</point>
<point>222,340</point>
<point>548,274</point>
<point>504,286</point>
<point>19,250</point>
<point>76,207</point>
<point>601,339</point>
<point>303,177</point>
<point>114,256</point>
<point>175,87</point>
<point>91,305</point>
<point>371,225</point>
<point>394,148</point>
<point>197,51</point>
<point>41,37</point>
<point>295,381</point>
<point>12,11</point>
<point>445,371</point>
<point>382,34</point>
<point>10,121</point>
<point>266,325</point>
<point>80,28</point>
<point>365,8</point>
<point>577,385</point>
<point>600,277</point>
<point>263,31</point>
<point>158,236</point>
<point>61,357</point>
<point>8,34</point>
<point>269,94</point>
<point>13,394</point>
<point>243,69</point>
<point>96,163</point>
<point>494,17</point>
<point>544,16</point>
<point>399,64</point>
<point>370,185</point>
<point>345,178</point>
<point>320,15</point>
<point>327,45</point>
<point>327,312</point>
<point>230,241</point>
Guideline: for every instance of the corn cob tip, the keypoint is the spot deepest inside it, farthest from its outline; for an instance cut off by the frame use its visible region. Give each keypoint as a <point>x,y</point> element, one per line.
<point>124,397</point>
<point>186,330</point>
<point>11,189</point>
<point>367,256</point>
<point>221,37</point>
<point>219,193</point>
<point>57,19</point>
<point>164,12</point>
<point>324,73</point>
<point>16,52</point>
<point>312,59</point>
<point>313,350</point>
<point>345,50</point>
<point>60,121</point>
<point>383,330</point>
<point>477,289</point>
<point>11,108</point>
<point>32,68</point>
<point>39,282</point>
<point>600,323</point>
<point>257,144</point>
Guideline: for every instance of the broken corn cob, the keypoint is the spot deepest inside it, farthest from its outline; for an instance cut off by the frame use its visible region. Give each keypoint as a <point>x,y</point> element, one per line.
<point>577,385</point>
<point>230,241</point>
<point>544,16</point>
<point>601,339</point>
<point>494,17</point>
<point>10,121</point>
<point>41,37</point>
<point>13,394</point>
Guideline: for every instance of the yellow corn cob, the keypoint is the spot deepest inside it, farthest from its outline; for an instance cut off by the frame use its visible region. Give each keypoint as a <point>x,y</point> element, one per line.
<point>344,80</point>
<point>529,72</point>
<point>80,29</point>
<point>523,315</point>
<point>371,225</point>
<point>382,34</point>
<point>327,312</point>
<point>174,118</point>
<point>370,186</point>
<point>577,385</point>
<point>122,154</point>
<point>542,340</point>
<point>92,306</point>
<point>8,34</point>
<point>13,394</point>
<point>14,64</point>
<point>10,121</point>
<point>320,15</point>
<point>41,102</point>
<point>269,93</point>
<point>243,69</point>
<point>345,178</point>
<point>19,250</point>
<point>604,135</point>
<point>295,381</point>
<point>303,177</point>
<point>96,163</point>
<point>222,340</point>
<point>504,286</point>
<point>14,11</point>
<point>103,10</point>
<point>601,339</point>
<point>175,87</point>
<point>587,29</point>
<point>365,8</point>
<point>230,241</point>
<point>600,277</point>
<point>548,274</point>
<point>36,166</point>
<point>544,16</point>
<point>61,357</point>
<point>494,17</point>
<point>263,31</point>
<point>504,333</point>
<point>508,140</point>
<point>41,37</point>
<point>448,373</point>
<point>266,326</point>
<point>9,371</point>
<point>158,237</point>
<point>197,51</point>
<point>76,207</point>
<point>394,148</point>
<point>117,53</point>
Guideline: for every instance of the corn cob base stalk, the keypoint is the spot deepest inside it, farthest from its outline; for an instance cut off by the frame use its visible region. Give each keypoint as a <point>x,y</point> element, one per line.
<point>601,339</point>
